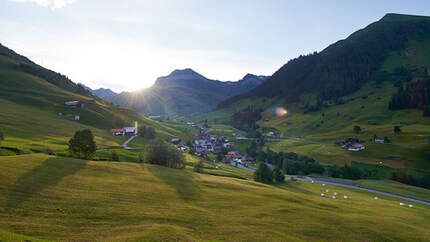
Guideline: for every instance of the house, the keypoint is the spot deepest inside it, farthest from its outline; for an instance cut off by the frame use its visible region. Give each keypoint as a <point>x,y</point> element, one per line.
<point>379,140</point>
<point>154,117</point>
<point>341,143</point>
<point>216,149</point>
<point>227,145</point>
<point>75,118</point>
<point>201,152</point>
<point>192,124</point>
<point>129,130</point>
<point>176,141</point>
<point>234,155</point>
<point>356,147</point>
<point>117,132</point>
<point>74,104</point>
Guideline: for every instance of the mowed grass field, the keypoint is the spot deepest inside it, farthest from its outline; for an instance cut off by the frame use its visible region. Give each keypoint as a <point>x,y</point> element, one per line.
<point>57,198</point>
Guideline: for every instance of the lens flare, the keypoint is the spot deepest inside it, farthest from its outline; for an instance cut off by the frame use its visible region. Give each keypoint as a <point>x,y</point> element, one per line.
<point>279,111</point>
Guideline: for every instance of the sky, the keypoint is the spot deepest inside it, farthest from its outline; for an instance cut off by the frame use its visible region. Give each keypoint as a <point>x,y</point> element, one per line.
<point>125,45</point>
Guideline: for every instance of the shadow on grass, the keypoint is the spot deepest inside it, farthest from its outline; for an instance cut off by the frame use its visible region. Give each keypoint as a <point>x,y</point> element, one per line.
<point>180,180</point>
<point>49,173</point>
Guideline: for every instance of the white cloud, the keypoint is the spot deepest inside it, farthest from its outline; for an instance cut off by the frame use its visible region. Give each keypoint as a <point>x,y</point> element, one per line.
<point>47,3</point>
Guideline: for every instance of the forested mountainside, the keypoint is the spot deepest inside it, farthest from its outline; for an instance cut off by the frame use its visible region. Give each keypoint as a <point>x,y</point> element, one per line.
<point>344,67</point>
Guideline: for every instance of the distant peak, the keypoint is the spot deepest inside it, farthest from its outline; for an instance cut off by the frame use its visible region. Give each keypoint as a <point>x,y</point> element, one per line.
<point>392,17</point>
<point>252,76</point>
<point>187,71</point>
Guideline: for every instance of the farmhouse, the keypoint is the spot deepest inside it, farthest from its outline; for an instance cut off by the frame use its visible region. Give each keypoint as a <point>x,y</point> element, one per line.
<point>356,147</point>
<point>234,155</point>
<point>74,104</point>
<point>129,130</point>
<point>176,141</point>
<point>379,140</point>
<point>117,132</point>
<point>154,117</point>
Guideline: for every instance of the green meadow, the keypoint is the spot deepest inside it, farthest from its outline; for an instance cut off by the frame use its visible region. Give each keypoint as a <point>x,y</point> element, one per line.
<point>56,198</point>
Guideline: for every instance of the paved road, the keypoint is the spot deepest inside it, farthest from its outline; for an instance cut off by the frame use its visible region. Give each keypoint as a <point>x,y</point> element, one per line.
<point>128,141</point>
<point>348,185</point>
<point>343,184</point>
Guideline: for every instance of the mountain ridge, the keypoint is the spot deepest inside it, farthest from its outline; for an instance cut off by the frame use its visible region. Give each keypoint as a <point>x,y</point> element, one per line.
<point>184,92</point>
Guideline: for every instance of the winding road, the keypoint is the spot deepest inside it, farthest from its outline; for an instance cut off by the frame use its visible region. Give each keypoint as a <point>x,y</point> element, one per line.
<point>345,184</point>
<point>128,141</point>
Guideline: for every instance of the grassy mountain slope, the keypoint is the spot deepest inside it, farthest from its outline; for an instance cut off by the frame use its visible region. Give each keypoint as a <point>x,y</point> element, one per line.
<point>184,93</point>
<point>355,96</point>
<point>30,106</point>
<point>66,199</point>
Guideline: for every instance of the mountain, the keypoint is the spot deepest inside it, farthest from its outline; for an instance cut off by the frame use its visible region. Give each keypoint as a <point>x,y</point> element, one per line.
<point>345,66</point>
<point>375,79</point>
<point>104,93</point>
<point>184,93</point>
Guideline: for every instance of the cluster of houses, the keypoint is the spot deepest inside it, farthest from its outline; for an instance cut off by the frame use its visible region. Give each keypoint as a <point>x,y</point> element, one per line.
<point>211,144</point>
<point>124,131</point>
<point>352,144</point>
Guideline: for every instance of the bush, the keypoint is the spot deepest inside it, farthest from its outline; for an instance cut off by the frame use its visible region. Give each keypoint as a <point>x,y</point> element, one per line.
<point>82,145</point>
<point>278,175</point>
<point>357,129</point>
<point>114,156</point>
<point>198,167</point>
<point>397,129</point>
<point>140,157</point>
<point>161,154</point>
<point>263,174</point>
<point>1,136</point>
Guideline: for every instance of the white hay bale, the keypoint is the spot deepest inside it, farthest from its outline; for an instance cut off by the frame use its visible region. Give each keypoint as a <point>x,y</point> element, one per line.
<point>323,184</point>
<point>345,197</point>
<point>335,193</point>
<point>322,194</point>
<point>326,190</point>
<point>333,197</point>
<point>411,206</point>
<point>401,204</point>
<point>376,198</point>
<point>312,181</point>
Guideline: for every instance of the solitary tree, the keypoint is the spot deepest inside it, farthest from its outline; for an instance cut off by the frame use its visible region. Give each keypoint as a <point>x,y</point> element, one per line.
<point>357,129</point>
<point>278,175</point>
<point>114,156</point>
<point>397,129</point>
<point>82,144</point>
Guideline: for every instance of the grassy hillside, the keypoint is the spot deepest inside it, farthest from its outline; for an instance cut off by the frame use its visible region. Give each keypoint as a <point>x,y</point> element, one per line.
<point>29,112</point>
<point>318,117</point>
<point>67,199</point>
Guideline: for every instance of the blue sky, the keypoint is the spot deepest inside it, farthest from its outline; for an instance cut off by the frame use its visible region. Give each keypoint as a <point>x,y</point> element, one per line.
<point>127,44</point>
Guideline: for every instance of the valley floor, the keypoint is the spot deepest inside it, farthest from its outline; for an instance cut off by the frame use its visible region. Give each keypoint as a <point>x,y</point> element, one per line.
<point>58,198</point>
